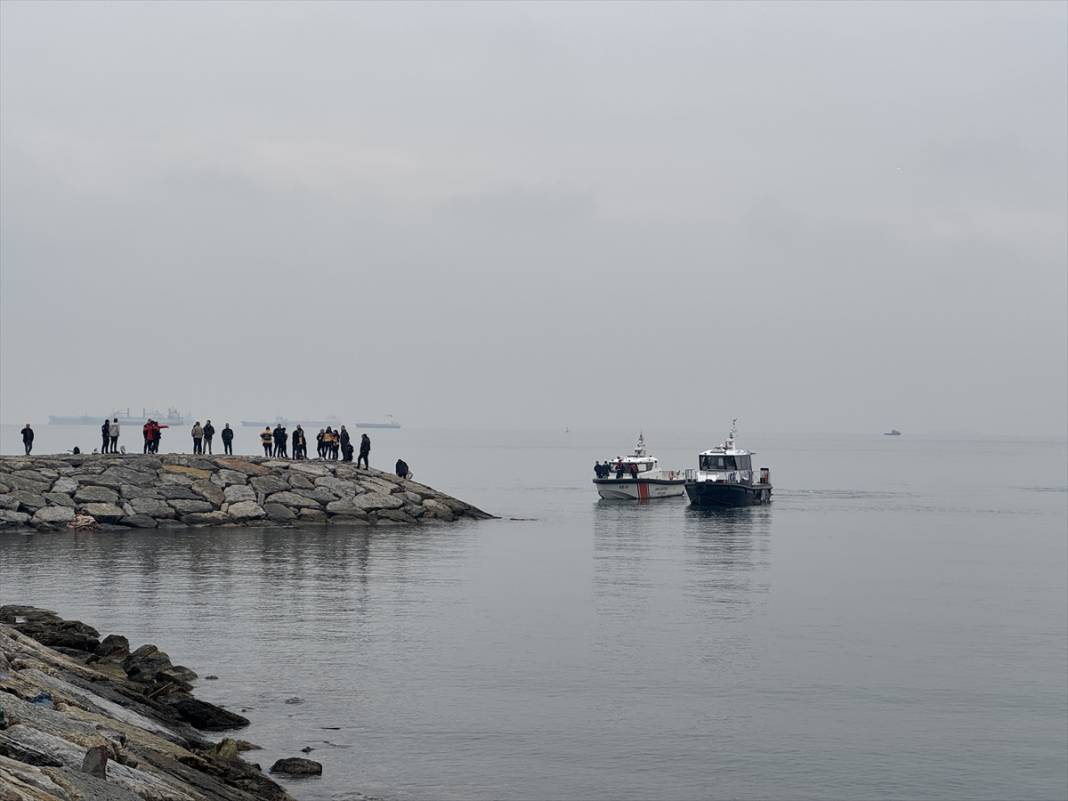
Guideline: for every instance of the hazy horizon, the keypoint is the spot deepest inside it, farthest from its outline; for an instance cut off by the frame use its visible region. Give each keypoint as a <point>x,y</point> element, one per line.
<point>812,217</point>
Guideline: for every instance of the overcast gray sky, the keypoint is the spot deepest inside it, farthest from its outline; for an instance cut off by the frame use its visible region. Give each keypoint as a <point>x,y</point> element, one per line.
<point>831,217</point>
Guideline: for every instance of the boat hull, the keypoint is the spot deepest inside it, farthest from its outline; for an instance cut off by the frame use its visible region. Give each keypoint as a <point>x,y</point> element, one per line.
<point>727,493</point>
<point>638,489</point>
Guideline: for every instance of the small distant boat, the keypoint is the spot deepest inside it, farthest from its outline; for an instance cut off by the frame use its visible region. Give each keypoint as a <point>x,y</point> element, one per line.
<point>893,432</point>
<point>724,477</point>
<point>332,422</point>
<point>172,418</point>
<point>638,477</point>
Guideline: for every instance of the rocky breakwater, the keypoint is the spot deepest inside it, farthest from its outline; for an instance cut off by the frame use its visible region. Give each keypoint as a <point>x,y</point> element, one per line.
<point>175,491</point>
<point>85,719</point>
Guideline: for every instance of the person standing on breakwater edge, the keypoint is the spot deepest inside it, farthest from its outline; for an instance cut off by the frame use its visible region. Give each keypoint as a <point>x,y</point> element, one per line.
<point>228,440</point>
<point>27,438</point>
<point>209,432</point>
<point>365,452</point>
<point>198,437</point>
<point>113,433</point>
<point>105,436</point>
<point>266,438</point>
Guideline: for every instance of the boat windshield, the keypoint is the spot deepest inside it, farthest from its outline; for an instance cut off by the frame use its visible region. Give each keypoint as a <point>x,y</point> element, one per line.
<point>724,463</point>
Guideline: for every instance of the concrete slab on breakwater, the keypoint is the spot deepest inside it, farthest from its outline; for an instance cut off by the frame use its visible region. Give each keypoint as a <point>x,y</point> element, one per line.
<point>41,493</point>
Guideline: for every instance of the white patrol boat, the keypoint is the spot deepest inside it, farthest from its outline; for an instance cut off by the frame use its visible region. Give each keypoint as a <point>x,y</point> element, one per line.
<point>637,477</point>
<point>724,477</point>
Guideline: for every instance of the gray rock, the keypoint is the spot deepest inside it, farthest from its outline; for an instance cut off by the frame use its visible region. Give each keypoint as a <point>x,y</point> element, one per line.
<point>377,500</point>
<point>206,518</point>
<point>209,492</point>
<point>89,494</point>
<point>99,480</point>
<point>299,481</point>
<point>245,510</point>
<point>269,484</point>
<point>437,510</point>
<point>139,521</point>
<point>297,766</point>
<point>176,492</point>
<point>10,519</point>
<point>236,493</point>
<point>396,515</point>
<point>135,477</point>
<point>229,477</point>
<point>4,489</point>
<point>59,499</point>
<point>65,484</point>
<point>130,491</point>
<point>339,486</point>
<point>312,515</point>
<point>104,512</point>
<point>176,480</point>
<point>345,507</point>
<point>377,485</point>
<point>278,512</point>
<point>27,501</point>
<point>310,469</point>
<point>187,506</point>
<point>9,501</point>
<point>291,499</point>
<point>38,484</point>
<point>53,515</point>
<point>318,494</point>
<point>151,507</point>
<point>96,762</point>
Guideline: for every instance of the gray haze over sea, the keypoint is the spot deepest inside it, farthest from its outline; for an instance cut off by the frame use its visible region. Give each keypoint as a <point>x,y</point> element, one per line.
<point>894,625</point>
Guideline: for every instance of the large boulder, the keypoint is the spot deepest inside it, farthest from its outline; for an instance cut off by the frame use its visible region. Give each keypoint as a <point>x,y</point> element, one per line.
<point>377,500</point>
<point>90,494</point>
<point>195,473</point>
<point>10,519</point>
<point>125,475</point>
<point>279,513</point>
<point>345,507</point>
<point>291,499</point>
<point>339,486</point>
<point>243,466</point>
<point>245,510</point>
<point>215,518</point>
<point>65,484</point>
<point>177,492</point>
<point>104,512</point>
<point>186,506</point>
<point>238,492</point>
<point>59,499</point>
<point>151,507</point>
<point>208,492</point>
<point>297,766</point>
<point>205,716</point>
<point>26,501</point>
<point>269,484</point>
<point>139,521</point>
<point>144,663</point>
<point>37,483</point>
<point>53,516</point>
<point>228,477</point>
<point>131,491</point>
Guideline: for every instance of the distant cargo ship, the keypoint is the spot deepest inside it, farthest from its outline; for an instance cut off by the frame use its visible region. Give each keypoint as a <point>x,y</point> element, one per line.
<point>332,422</point>
<point>172,418</point>
<point>893,432</point>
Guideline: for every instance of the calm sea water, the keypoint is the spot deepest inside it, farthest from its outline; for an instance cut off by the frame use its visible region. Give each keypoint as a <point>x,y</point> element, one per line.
<point>894,626</point>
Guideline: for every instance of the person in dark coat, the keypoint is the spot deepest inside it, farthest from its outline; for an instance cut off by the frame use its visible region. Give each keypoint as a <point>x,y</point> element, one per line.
<point>365,451</point>
<point>209,432</point>
<point>343,436</point>
<point>346,452</point>
<point>27,439</point>
<point>319,441</point>
<point>105,436</point>
<point>227,435</point>
<point>402,469</point>
<point>296,442</point>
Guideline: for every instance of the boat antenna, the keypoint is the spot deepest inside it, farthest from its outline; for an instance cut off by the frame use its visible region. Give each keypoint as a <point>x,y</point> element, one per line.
<point>639,449</point>
<point>733,432</point>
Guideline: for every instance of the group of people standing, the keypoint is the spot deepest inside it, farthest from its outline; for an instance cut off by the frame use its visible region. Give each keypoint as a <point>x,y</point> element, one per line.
<point>605,470</point>
<point>203,435</point>
<point>329,443</point>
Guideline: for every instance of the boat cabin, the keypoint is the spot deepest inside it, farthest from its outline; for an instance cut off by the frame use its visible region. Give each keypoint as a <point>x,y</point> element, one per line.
<point>725,463</point>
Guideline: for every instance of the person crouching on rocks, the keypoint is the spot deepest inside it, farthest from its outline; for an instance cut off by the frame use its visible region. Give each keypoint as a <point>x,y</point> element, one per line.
<point>267,438</point>
<point>402,469</point>
<point>227,435</point>
<point>365,452</point>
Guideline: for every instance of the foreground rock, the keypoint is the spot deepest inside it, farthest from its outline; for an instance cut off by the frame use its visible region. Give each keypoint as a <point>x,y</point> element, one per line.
<point>94,722</point>
<point>297,766</point>
<point>173,490</point>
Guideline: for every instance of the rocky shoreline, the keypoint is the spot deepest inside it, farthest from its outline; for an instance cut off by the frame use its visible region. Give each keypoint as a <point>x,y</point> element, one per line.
<point>40,493</point>
<point>87,719</point>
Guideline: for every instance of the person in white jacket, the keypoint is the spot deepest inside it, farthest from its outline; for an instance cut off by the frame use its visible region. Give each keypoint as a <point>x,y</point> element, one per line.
<point>113,432</point>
